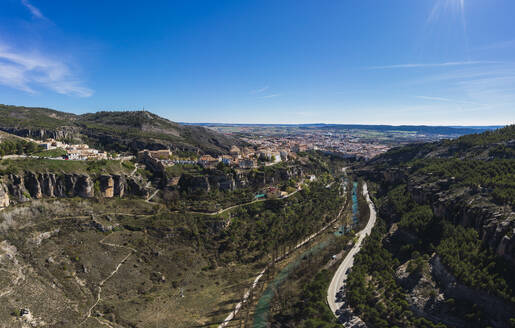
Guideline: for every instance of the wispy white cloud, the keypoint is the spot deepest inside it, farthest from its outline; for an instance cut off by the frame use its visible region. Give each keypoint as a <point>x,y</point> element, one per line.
<point>484,92</point>
<point>447,100</point>
<point>429,65</point>
<point>261,95</point>
<point>29,71</point>
<point>270,96</point>
<point>497,88</point>
<point>454,7</point>
<point>33,10</point>
<point>260,90</point>
<point>434,98</point>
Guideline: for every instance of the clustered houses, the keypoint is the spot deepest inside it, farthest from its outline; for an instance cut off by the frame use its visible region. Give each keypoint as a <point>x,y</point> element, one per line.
<point>52,144</point>
<point>163,155</point>
<point>74,152</point>
<point>273,149</point>
<point>208,161</point>
<point>287,146</point>
<point>244,158</point>
<point>83,152</point>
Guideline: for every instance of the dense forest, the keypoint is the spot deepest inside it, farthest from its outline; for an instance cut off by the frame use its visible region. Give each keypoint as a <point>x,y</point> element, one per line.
<point>461,249</point>
<point>301,300</point>
<point>273,226</point>
<point>475,265</point>
<point>393,276</point>
<point>363,210</point>
<point>497,175</point>
<point>497,144</point>
<point>377,297</point>
<point>372,290</point>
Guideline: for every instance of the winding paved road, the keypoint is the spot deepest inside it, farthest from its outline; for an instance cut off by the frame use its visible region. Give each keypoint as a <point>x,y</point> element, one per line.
<point>340,276</point>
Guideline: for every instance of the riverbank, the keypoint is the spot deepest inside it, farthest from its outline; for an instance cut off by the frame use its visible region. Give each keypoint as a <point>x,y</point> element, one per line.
<point>301,284</point>
<point>292,294</point>
<point>334,298</point>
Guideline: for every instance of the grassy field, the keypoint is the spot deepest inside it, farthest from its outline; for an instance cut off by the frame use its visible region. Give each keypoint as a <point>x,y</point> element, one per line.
<point>58,152</point>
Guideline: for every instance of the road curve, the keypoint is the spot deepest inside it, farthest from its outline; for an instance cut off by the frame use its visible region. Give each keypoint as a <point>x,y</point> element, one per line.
<point>341,274</point>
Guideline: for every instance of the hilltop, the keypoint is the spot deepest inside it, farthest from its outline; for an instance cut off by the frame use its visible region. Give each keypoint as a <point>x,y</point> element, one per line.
<point>117,131</point>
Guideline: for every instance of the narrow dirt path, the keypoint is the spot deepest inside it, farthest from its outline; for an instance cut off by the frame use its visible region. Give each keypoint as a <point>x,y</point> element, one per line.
<point>238,306</point>
<point>134,171</point>
<point>238,205</point>
<point>99,294</point>
<point>152,196</point>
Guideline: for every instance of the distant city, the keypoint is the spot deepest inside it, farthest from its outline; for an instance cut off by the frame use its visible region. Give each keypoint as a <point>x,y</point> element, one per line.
<point>353,141</point>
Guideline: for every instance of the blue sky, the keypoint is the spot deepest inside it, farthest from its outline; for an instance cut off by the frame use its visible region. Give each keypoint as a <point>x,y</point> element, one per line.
<point>431,62</point>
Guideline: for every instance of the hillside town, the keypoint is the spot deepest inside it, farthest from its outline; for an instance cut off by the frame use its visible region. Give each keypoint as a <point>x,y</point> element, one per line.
<point>244,157</point>
<point>74,152</point>
<point>268,151</point>
<point>261,150</point>
<point>327,142</point>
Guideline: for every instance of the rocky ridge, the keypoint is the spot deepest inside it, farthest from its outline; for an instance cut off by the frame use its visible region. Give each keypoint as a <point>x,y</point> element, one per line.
<point>465,206</point>
<point>19,188</point>
<point>218,180</point>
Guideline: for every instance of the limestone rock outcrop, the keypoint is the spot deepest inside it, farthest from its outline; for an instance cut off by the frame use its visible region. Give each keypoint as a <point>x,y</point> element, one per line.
<point>218,180</point>
<point>4,196</point>
<point>107,186</point>
<point>64,132</point>
<point>495,306</point>
<point>469,207</point>
<point>20,188</point>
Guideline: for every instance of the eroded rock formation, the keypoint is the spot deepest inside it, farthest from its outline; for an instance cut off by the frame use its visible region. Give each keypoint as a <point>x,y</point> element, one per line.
<point>20,188</point>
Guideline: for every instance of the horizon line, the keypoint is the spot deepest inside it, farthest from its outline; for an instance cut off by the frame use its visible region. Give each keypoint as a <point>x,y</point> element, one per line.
<point>372,124</point>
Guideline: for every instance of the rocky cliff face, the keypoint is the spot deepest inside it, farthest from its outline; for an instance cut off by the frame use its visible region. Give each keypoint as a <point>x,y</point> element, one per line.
<point>426,299</point>
<point>107,185</point>
<point>22,188</point>
<point>466,206</point>
<point>238,180</point>
<point>192,183</point>
<point>4,197</point>
<point>42,134</point>
<point>18,188</point>
<point>495,307</point>
<point>469,208</point>
<point>429,291</point>
<point>36,186</point>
